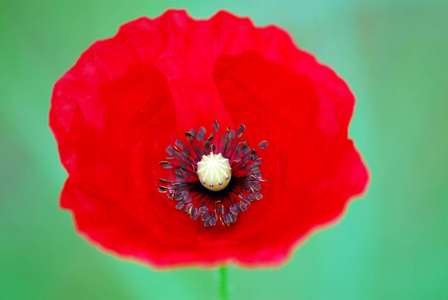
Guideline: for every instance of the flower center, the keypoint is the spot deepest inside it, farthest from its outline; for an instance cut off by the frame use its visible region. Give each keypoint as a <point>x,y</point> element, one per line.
<point>214,172</point>
<point>213,178</point>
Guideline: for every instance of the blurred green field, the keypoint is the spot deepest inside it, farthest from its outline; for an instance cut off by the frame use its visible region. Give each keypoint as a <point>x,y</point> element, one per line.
<point>391,244</point>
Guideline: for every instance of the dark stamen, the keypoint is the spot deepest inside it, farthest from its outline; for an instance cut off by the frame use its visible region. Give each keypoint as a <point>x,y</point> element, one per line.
<point>198,201</point>
<point>263,145</point>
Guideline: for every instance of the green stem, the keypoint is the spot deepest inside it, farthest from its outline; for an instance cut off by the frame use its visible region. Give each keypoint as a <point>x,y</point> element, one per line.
<point>223,286</point>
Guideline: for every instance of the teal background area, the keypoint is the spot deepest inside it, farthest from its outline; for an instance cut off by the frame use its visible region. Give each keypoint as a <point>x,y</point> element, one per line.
<point>391,244</point>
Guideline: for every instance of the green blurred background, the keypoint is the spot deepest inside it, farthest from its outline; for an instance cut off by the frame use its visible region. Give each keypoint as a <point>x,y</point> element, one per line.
<point>392,244</point>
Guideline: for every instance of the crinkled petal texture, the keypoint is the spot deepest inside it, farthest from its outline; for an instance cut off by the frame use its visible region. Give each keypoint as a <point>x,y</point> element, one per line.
<point>127,98</point>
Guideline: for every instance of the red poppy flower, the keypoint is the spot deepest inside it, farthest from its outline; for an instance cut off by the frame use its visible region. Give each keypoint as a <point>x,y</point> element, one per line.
<point>148,124</point>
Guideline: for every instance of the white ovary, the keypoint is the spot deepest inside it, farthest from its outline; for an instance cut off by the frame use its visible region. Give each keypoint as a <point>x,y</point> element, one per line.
<point>214,171</point>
